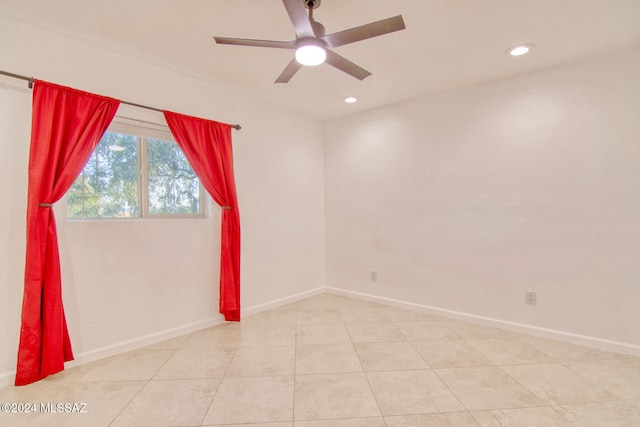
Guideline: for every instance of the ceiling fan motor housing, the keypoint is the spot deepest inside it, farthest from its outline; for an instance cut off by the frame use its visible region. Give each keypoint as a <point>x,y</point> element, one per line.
<point>318,28</point>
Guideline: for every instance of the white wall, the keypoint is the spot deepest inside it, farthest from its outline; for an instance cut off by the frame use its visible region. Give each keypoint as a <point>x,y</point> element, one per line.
<point>461,201</point>
<point>130,282</point>
<point>464,200</point>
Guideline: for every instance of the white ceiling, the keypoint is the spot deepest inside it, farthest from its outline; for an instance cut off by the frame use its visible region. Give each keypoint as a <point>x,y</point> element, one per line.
<point>447,43</point>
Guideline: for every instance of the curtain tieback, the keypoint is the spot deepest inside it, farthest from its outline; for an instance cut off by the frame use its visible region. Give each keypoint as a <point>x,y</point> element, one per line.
<point>226,207</point>
<point>46,205</point>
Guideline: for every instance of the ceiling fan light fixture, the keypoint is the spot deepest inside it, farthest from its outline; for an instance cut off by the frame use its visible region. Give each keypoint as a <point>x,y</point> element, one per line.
<point>310,52</point>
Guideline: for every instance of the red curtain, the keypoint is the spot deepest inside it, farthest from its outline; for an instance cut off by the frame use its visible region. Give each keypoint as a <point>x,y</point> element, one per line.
<point>207,146</point>
<point>67,124</point>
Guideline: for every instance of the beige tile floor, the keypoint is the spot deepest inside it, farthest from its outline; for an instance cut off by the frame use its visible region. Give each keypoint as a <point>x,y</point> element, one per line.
<point>330,361</point>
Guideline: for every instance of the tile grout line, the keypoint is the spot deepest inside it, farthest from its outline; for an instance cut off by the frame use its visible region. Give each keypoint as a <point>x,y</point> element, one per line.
<point>224,374</point>
<point>141,388</point>
<point>438,376</point>
<point>364,372</point>
<point>561,404</point>
<point>622,399</point>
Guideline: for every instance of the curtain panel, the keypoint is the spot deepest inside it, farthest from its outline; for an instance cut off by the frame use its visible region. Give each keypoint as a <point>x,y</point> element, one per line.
<point>67,124</point>
<point>207,146</point>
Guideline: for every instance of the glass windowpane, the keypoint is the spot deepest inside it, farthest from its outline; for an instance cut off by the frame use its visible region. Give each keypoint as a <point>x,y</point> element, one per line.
<point>108,185</point>
<point>173,187</point>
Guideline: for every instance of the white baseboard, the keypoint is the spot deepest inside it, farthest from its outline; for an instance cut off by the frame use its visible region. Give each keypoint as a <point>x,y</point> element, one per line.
<point>282,301</point>
<point>7,378</point>
<point>143,341</point>
<point>569,337</point>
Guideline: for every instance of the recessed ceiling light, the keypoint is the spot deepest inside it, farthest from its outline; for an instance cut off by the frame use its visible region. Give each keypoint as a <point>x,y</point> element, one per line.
<point>520,50</point>
<point>350,99</point>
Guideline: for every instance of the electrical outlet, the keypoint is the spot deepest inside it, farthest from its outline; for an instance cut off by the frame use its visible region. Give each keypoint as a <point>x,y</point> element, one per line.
<point>373,276</point>
<point>531,297</point>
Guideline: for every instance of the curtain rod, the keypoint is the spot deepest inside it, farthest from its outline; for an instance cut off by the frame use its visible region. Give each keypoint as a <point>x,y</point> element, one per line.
<point>30,81</point>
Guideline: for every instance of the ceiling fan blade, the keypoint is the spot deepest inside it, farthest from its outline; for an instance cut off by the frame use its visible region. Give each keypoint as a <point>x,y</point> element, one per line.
<point>258,43</point>
<point>366,31</point>
<point>299,18</point>
<point>343,64</point>
<point>289,71</point>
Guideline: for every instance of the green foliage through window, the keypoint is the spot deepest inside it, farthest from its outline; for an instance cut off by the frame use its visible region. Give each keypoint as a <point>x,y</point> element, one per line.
<point>173,186</point>
<point>111,187</point>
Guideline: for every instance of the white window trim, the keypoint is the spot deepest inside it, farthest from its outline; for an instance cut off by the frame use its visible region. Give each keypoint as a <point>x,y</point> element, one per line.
<point>143,131</point>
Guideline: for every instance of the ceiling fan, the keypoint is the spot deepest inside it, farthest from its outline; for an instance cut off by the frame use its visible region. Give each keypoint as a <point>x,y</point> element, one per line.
<point>312,42</point>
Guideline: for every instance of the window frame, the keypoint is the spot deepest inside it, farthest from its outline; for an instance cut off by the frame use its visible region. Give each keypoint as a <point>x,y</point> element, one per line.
<point>143,131</point>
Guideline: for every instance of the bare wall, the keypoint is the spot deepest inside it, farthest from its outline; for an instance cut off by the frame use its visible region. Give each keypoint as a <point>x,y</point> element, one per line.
<point>464,200</point>
<point>129,282</point>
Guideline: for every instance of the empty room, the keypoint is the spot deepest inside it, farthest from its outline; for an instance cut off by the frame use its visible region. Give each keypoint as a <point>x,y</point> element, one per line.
<point>320,213</point>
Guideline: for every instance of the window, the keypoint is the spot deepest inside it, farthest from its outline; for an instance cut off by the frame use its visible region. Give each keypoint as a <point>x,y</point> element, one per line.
<point>135,173</point>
